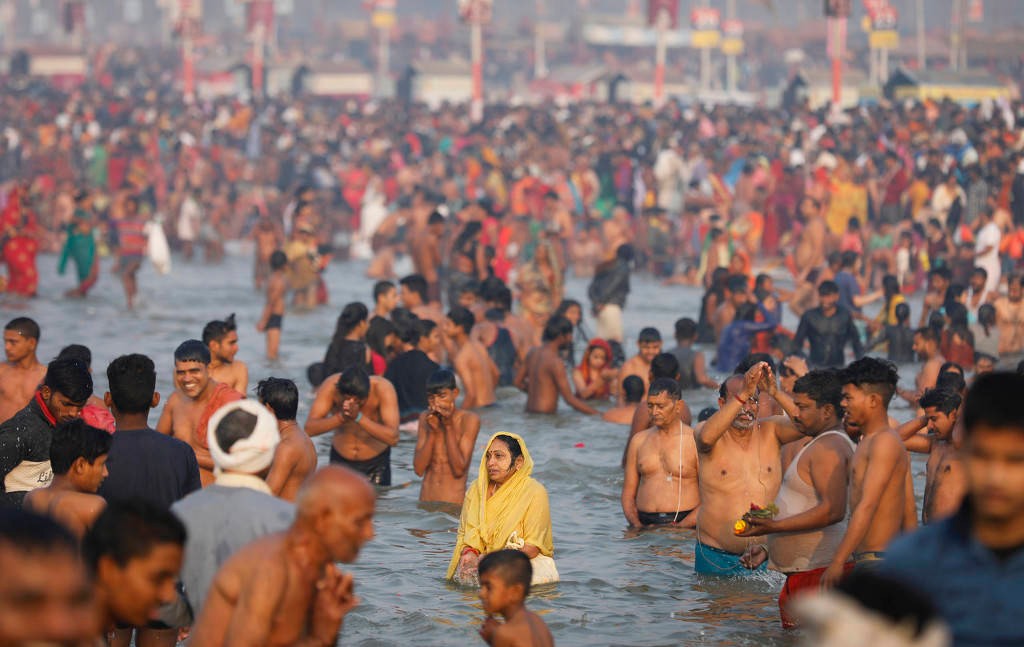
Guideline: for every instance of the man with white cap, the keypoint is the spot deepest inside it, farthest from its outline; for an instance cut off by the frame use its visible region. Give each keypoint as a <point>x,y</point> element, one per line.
<point>238,507</point>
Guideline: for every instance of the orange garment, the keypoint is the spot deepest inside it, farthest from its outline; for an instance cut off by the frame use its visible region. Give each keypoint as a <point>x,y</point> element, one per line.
<point>605,389</point>
<point>222,394</point>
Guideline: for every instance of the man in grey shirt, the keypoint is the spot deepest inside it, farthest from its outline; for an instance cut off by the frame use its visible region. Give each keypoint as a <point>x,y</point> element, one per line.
<point>238,507</point>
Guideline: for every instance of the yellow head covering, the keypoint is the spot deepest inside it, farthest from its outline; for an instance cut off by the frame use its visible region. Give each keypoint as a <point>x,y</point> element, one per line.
<point>519,505</point>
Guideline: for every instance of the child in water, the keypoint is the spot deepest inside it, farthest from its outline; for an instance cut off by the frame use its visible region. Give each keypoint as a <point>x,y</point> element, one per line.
<point>504,584</point>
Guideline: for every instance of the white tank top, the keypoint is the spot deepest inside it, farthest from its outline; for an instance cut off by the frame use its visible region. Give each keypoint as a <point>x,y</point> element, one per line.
<point>794,552</point>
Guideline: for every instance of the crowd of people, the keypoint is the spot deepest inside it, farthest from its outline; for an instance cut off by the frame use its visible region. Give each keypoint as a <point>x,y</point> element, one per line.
<point>217,522</point>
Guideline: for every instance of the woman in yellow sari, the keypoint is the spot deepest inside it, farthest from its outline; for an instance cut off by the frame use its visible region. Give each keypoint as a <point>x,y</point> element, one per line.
<point>503,505</point>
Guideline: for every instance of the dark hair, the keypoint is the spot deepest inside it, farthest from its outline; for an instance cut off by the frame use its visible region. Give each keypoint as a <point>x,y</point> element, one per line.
<point>665,365</point>
<point>130,529</point>
<point>992,402</point>
<point>957,313</point>
<point>351,316</point>
<point>556,327</point>
<point>686,329</point>
<point>633,389</point>
<point>890,285</point>
<point>377,332</point>
<point>736,283</point>
<point>823,388</point>
<point>235,426</point>
<point>665,385</point>
<point>514,448</point>
<point>76,352</point>
<point>462,318</point>
<point>723,388</point>
<point>217,330</point>
<point>951,381</point>
<point>849,258</point>
<point>625,253</point>
<point>440,380</point>
<point>945,400</point>
<point>25,326</point>
<point>648,336</point>
<point>70,378</point>
<point>828,287</point>
<point>871,373</point>
<point>75,439</point>
<point>435,218</point>
<point>890,598</point>
<point>754,358</point>
<point>951,367</point>
<point>503,297</point>
<point>280,395</point>
<point>902,312</point>
<point>928,334</point>
<point>380,288</point>
<point>278,259</point>
<point>512,566</point>
<point>416,283</point>
<point>132,382</point>
<point>28,532</point>
<point>706,413</point>
<point>987,316</point>
<point>192,350</point>
<point>354,381</point>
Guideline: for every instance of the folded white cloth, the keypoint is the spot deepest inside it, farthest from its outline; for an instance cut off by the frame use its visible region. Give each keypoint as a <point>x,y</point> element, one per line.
<point>249,455</point>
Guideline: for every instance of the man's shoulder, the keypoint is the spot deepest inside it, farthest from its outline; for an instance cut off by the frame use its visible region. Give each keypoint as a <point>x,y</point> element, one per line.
<point>149,442</point>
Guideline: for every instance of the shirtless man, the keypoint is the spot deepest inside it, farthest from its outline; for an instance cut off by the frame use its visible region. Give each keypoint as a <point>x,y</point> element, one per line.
<point>660,485</point>
<point>268,239</point>
<point>221,337</point>
<point>632,395</point>
<point>648,346</point>
<point>285,589</point>
<point>543,375</point>
<point>414,296</point>
<point>810,248</point>
<point>21,374</point>
<point>425,249</point>
<point>362,411</point>
<point>476,369</point>
<point>295,456</point>
<point>878,470</point>
<point>196,397</point>
<point>273,312</point>
<point>945,485</point>
<point>812,498</point>
<point>926,345</point>
<point>78,456</point>
<point>739,464</point>
<point>445,441</point>
<point>1009,317</point>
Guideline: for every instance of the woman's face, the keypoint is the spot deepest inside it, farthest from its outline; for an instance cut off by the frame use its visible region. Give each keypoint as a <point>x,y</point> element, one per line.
<point>500,465</point>
<point>573,314</point>
<point>598,359</point>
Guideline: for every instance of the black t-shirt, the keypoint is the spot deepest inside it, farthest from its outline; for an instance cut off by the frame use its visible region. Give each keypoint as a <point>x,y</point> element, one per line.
<point>409,373</point>
<point>146,464</point>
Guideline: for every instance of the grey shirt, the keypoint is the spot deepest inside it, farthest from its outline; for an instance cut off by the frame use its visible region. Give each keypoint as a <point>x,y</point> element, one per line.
<point>220,520</point>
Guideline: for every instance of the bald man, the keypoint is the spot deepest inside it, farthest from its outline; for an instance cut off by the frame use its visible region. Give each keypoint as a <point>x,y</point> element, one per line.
<point>285,589</point>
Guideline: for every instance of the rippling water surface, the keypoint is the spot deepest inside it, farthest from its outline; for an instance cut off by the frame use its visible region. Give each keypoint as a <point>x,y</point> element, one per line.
<point>617,588</point>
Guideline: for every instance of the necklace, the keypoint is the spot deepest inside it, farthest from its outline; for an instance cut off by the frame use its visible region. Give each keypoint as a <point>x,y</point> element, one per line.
<point>668,468</point>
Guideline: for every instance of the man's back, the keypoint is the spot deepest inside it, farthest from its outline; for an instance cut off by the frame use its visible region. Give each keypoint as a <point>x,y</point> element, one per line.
<point>144,463</point>
<point>827,336</point>
<point>542,389</point>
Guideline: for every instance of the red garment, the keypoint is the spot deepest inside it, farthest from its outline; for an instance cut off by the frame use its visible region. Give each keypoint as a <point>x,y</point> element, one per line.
<point>378,363</point>
<point>99,417</point>
<point>958,352</point>
<point>222,394</point>
<point>605,390</point>
<point>20,247</point>
<point>798,583</point>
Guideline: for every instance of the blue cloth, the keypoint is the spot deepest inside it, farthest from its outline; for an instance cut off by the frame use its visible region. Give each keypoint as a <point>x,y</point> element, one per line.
<point>980,595</point>
<point>715,561</point>
<point>734,346</point>
<point>848,288</point>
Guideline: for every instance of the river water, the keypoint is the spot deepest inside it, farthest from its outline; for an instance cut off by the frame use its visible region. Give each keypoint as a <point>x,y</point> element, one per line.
<point>618,587</point>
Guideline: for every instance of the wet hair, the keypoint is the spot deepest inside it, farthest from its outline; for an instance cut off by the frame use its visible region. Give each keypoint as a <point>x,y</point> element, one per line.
<point>564,306</point>
<point>633,389</point>
<point>235,426</point>
<point>354,381</point>
<point>823,388</point>
<point>503,297</point>
<point>891,599</point>
<point>462,318</point>
<point>665,365</point>
<point>945,400</point>
<point>24,326</point>
<point>951,367</point>
<point>556,327</point>
<point>942,272</point>
<point>736,283</point>
<point>872,374</point>
<point>665,385</point>
<point>278,259</point>
<point>706,413</point>
<point>514,448</point>
<point>435,218</point>
<point>280,395</point>
<point>380,288</point>
<point>217,330</point>
<point>512,566</point>
<point>993,402</point>
<point>440,380</point>
<point>130,529</point>
<point>416,283</point>
<point>828,287</point>
<point>951,381</point>
<point>76,352</point>
<point>625,253</point>
<point>987,316</point>
<point>192,350</point>
<point>70,378</point>
<point>957,313</point>
<point>902,312</point>
<point>132,383</point>
<point>928,334</point>
<point>351,316</point>
<point>649,336</point>
<point>377,333</point>
<point>75,439</point>
<point>31,533</point>
<point>686,329</point>
<point>890,285</point>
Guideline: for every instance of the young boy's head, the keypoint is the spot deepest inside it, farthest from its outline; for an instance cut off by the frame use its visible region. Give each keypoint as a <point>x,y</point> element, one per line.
<point>504,580</point>
<point>902,314</point>
<point>686,330</point>
<point>442,388</point>
<point>633,389</point>
<point>79,452</point>
<point>649,344</point>
<point>278,260</point>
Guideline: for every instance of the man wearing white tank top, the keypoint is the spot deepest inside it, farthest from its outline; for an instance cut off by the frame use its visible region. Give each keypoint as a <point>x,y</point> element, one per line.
<point>811,522</point>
